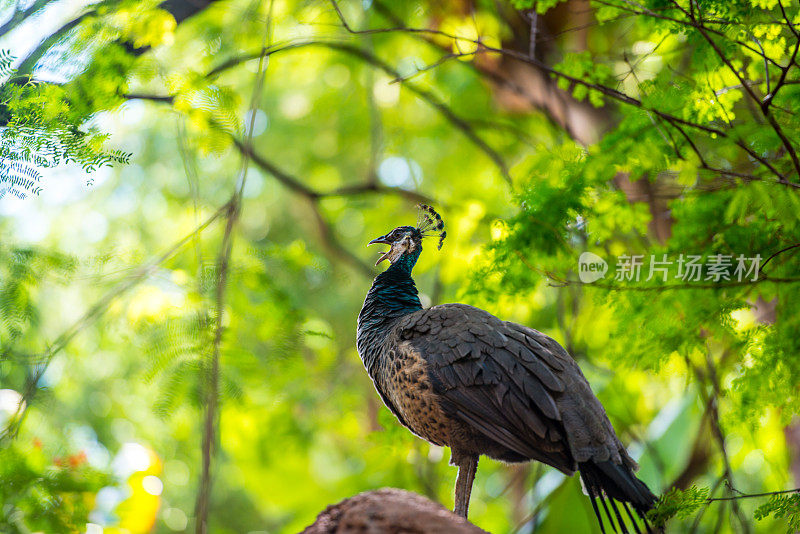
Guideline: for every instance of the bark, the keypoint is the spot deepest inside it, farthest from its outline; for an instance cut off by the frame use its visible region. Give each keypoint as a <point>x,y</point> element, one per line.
<point>792,434</point>
<point>652,193</point>
<point>518,485</point>
<point>521,88</point>
<point>389,511</point>
<point>699,459</point>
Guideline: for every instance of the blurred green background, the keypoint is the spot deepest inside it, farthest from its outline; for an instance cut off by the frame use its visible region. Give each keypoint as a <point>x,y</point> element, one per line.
<point>107,327</point>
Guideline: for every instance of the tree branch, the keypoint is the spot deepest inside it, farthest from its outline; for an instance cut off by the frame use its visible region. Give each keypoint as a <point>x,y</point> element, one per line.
<point>781,81</point>
<point>688,23</point>
<point>20,15</point>
<point>328,237</point>
<point>25,69</point>
<point>713,403</point>
<point>788,21</point>
<point>287,180</point>
<point>607,91</point>
<point>612,93</point>
<point>203,504</point>
<point>433,101</point>
<point>375,61</point>
<point>558,106</point>
<point>777,253</point>
<point>180,9</point>
<point>751,495</point>
<point>723,172</point>
<point>212,373</point>
<point>334,246</point>
<point>558,282</point>
<point>379,189</point>
<point>749,90</point>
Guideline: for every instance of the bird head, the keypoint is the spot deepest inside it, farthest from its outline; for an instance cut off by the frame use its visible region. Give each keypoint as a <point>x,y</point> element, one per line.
<point>408,239</point>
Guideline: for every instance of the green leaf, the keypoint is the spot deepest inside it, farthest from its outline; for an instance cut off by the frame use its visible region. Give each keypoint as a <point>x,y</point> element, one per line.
<point>677,503</point>
<point>782,507</point>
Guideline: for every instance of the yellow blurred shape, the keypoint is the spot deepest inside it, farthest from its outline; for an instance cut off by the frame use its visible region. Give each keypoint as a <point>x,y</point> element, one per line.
<point>499,230</point>
<point>744,319</point>
<point>149,27</point>
<point>137,514</point>
<point>150,302</point>
<point>180,277</point>
<point>385,92</point>
<point>468,32</point>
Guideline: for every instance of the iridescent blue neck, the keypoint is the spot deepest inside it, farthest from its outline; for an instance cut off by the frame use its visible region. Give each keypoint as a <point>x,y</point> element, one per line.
<point>405,264</point>
<point>393,294</point>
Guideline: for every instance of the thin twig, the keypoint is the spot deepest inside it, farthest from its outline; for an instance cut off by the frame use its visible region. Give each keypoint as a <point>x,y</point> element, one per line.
<point>460,123</point>
<point>690,142</point>
<point>749,90</point>
<point>703,509</point>
<point>747,177</point>
<point>223,262</point>
<point>779,252</point>
<point>719,435</point>
<point>607,91</point>
<point>328,237</point>
<point>370,58</point>
<point>380,189</point>
<point>770,98</point>
<point>563,283</point>
<point>766,67</point>
<point>751,495</point>
<point>438,63</point>
<point>534,18</point>
<point>788,21</point>
<point>334,246</point>
<point>683,22</point>
<point>212,379</point>
<point>375,126</point>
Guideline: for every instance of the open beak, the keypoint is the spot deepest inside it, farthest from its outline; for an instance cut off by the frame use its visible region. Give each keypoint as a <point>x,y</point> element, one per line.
<point>383,241</point>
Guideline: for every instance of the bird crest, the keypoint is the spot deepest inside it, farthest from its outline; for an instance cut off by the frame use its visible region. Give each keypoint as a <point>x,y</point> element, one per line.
<point>430,223</point>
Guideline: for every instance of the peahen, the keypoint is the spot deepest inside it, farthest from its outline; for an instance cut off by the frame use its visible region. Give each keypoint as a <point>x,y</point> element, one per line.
<point>458,376</point>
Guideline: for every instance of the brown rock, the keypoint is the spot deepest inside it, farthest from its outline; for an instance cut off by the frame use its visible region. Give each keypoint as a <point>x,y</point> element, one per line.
<point>389,511</point>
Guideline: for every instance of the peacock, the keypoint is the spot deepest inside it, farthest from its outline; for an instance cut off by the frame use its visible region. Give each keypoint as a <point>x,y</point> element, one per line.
<point>458,376</point>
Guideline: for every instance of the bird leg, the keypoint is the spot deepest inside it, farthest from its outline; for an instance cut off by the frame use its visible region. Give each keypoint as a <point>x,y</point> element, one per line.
<point>467,466</point>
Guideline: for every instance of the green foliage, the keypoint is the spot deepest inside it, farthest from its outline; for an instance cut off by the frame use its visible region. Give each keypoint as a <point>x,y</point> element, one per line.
<point>22,270</point>
<point>6,62</point>
<point>41,129</point>
<point>664,152</point>
<point>46,494</point>
<point>583,67</point>
<point>541,6</point>
<point>770,371</point>
<point>782,507</point>
<point>680,503</point>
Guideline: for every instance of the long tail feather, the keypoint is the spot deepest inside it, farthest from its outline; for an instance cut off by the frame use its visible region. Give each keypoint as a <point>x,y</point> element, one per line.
<point>597,513</point>
<point>622,526</point>
<point>633,519</point>
<point>608,515</point>
<point>618,483</point>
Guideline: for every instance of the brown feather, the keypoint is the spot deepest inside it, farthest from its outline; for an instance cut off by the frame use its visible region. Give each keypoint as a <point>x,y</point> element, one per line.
<point>515,380</point>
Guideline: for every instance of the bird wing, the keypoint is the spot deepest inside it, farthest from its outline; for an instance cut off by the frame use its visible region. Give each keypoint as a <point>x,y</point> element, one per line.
<point>513,384</point>
<point>591,435</point>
